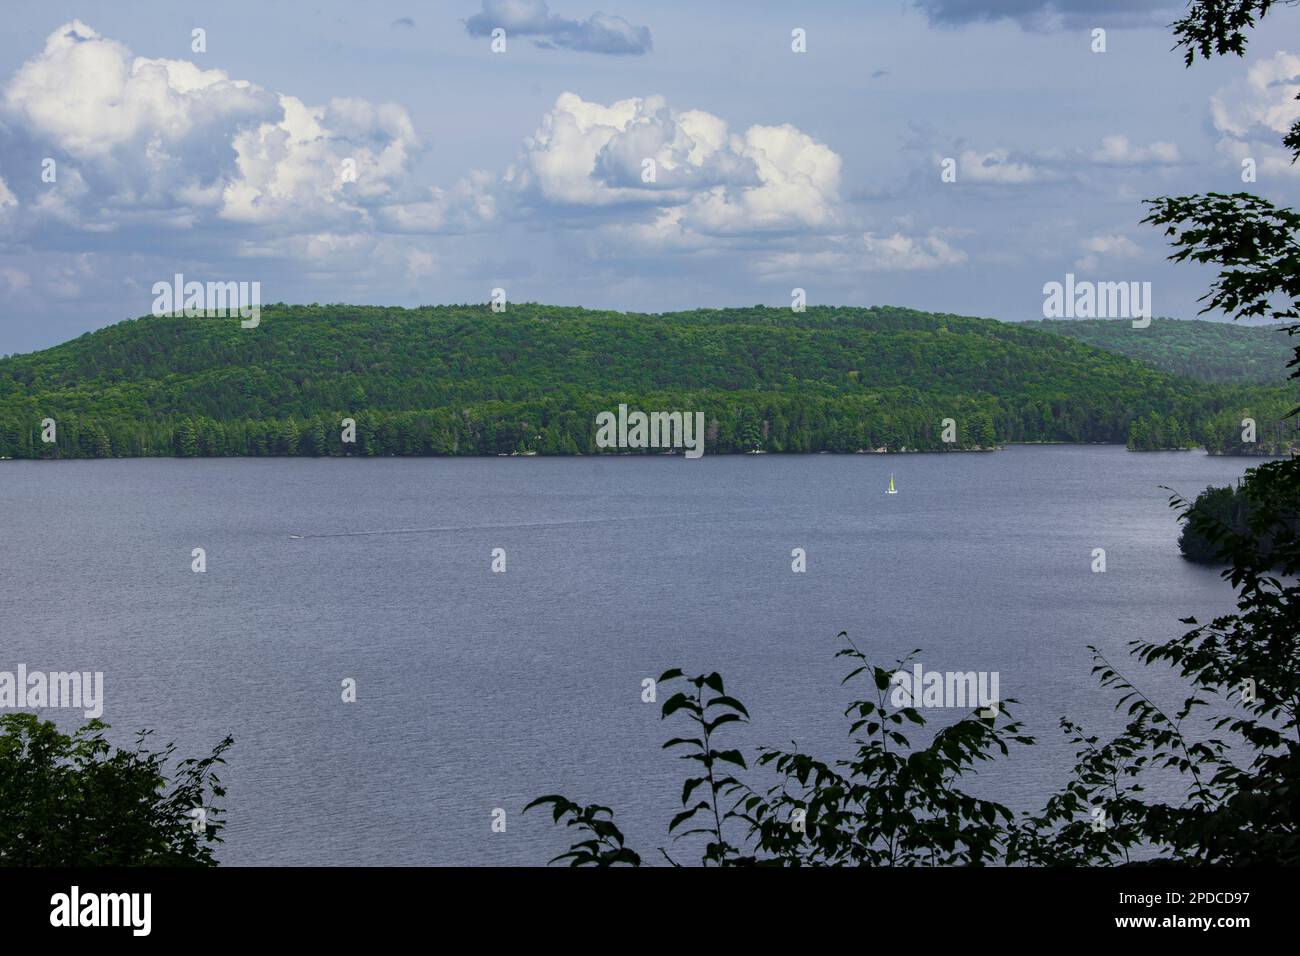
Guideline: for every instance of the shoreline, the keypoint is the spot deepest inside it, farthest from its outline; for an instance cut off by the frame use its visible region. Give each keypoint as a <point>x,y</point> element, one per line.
<point>675,454</point>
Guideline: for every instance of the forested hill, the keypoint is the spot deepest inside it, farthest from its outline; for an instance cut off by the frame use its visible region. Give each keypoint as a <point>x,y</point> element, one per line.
<point>465,380</point>
<point>1207,351</point>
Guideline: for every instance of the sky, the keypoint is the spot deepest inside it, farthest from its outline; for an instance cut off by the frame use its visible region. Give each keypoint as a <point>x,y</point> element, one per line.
<point>637,156</point>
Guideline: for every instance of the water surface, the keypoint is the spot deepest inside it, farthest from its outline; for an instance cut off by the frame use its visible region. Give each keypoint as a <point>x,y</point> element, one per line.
<point>480,690</point>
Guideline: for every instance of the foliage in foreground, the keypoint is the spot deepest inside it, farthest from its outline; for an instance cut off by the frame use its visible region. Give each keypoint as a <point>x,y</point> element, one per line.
<point>886,804</point>
<point>1218,512</point>
<point>1234,770</point>
<point>74,800</point>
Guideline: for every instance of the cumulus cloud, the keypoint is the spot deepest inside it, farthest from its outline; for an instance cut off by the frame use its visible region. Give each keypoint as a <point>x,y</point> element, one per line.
<point>89,96</point>
<point>1254,113</point>
<point>599,33</point>
<point>329,160</point>
<point>703,177</point>
<point>163,141</point>
<point>1051,14</point>
<point>163,165</point>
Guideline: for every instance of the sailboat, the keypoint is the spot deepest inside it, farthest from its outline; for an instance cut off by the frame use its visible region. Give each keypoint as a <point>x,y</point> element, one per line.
<point>892,490</point>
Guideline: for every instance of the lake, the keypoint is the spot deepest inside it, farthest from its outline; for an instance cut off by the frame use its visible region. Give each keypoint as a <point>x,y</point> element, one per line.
<point>478,690</point>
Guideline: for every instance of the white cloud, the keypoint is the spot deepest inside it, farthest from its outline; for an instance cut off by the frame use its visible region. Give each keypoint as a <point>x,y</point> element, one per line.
<point>902,253</point>
<point>800,265</point>
<point>142,139</point>
<point>768,178</point>
<point>997,166</point>
<point>1105,247</point>
<point>329,161</point>
<point>90,97</point>
<point>1008,168</point>
<point>843,255</point>
<point>1116,150</point>
<point>8,202</point>
<point>165,139</point>
<point>798,186</point>
<point>1255,112</point>
<point>184,164</point>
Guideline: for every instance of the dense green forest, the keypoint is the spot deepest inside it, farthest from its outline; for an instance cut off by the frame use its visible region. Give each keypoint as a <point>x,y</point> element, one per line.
<point>463,380</point>
<point>1206,351</point>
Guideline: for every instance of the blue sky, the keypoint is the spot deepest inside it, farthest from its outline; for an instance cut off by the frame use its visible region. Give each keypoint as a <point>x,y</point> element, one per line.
<point>524,169</point>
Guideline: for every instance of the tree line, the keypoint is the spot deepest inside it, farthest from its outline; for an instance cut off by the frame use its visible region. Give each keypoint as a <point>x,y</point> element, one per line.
<point>736,423</point>
<point>463,380</point>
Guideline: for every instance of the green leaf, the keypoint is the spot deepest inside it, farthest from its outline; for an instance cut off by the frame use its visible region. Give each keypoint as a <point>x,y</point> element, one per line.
<point>686,815</point>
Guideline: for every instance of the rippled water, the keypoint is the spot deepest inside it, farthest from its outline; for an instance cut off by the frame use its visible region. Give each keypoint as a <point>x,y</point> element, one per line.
<point>480,690</point>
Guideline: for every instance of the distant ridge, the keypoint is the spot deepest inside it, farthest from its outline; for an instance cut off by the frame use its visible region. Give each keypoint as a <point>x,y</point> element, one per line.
<point>457,380</point>
<point>1206,351</point>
